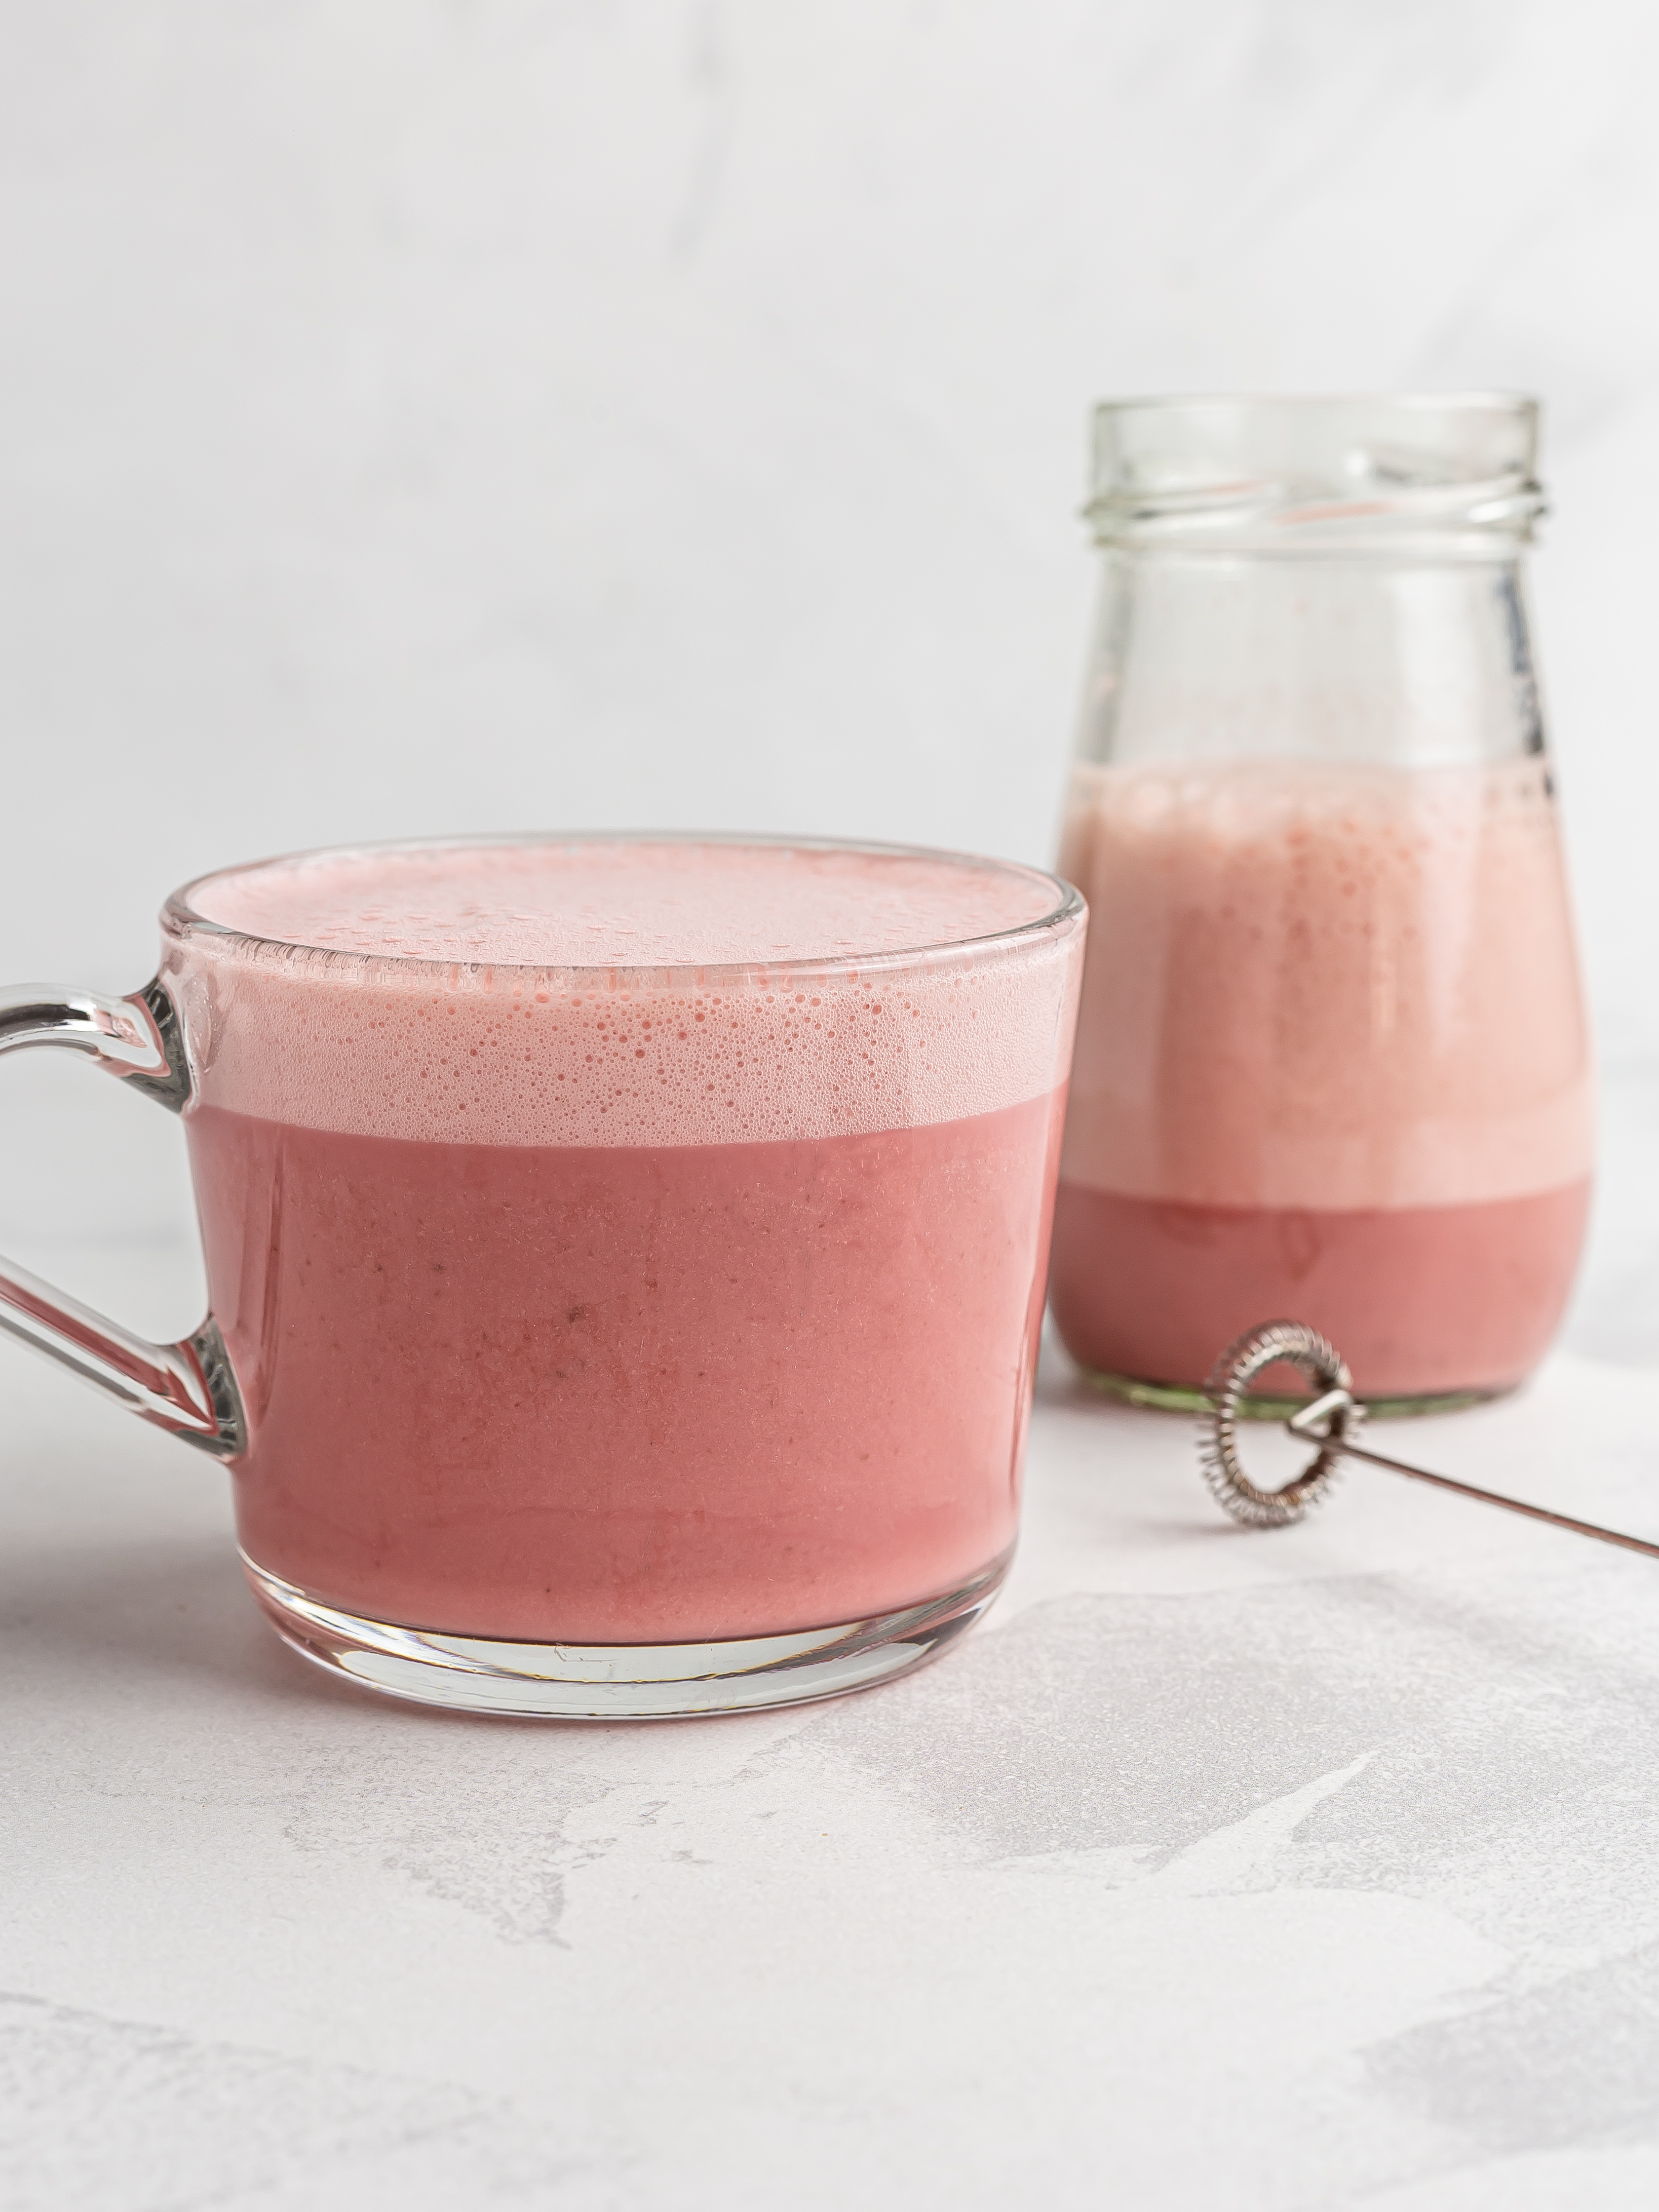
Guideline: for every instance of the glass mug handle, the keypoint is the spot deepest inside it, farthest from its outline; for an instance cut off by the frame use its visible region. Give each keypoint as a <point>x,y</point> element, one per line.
<point>187,1387</point>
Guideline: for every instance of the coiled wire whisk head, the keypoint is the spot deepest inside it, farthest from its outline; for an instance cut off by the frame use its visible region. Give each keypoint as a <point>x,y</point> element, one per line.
<point>1232,1375</point>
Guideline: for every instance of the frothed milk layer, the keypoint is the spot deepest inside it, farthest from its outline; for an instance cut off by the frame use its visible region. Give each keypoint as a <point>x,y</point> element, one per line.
<point>613,904</point>
<point>1325,984</point>
<point>622,995</point>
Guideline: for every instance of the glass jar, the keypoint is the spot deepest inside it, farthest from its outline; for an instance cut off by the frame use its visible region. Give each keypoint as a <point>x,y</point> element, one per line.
<point>1332,1062</point>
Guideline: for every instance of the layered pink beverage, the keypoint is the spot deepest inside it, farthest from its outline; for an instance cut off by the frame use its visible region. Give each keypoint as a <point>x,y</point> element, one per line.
<point>1332,1066</point>
<point>623,1243</point>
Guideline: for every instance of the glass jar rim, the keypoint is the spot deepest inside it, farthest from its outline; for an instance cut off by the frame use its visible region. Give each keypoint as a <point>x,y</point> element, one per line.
<point>181,918</point>
<point>1295,473</point>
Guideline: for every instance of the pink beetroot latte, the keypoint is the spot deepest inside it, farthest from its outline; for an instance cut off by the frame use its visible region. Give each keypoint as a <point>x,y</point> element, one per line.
<point>627,1242</point>
<point>1332,1066</point>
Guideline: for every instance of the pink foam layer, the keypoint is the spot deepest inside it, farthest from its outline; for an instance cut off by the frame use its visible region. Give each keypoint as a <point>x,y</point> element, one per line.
<point>354,1038</point>
<point>616,904</point>
<point>1321,984</point>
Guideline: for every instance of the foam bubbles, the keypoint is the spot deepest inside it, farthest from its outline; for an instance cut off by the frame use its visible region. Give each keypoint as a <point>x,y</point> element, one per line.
<point>1328,984</point>
<point>350,1035</point>
<point>610,903</point>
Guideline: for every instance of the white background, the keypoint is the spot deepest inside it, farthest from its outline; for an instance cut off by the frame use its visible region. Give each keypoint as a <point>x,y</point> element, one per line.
<point>420,417</point>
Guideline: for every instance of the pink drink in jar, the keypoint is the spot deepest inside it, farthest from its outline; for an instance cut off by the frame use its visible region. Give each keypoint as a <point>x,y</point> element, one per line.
<point>1332,1062</point>
<point>1373,1112</point>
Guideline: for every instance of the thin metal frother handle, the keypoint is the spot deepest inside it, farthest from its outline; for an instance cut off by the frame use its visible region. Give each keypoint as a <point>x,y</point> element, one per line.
<point>1496,1498</point>
<point>1330,1422</point>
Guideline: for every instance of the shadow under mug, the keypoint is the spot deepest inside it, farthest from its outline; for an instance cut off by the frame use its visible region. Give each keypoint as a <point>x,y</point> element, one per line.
<point>599,1341</point>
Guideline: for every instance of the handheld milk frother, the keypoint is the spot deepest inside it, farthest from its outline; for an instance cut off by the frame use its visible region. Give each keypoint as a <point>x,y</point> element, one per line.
<point>1329,1420</point>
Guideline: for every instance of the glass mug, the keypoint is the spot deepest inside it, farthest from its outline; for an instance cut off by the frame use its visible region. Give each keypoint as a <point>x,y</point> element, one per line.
<point>626,1256</point>
<point>1332,1062</point>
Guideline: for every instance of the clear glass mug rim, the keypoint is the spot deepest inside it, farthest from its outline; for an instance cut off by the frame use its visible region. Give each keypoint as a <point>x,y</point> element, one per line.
<point>181,920</point>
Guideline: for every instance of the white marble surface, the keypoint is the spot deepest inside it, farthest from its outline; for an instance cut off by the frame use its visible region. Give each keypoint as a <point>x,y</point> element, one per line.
<point>1292,1870</point>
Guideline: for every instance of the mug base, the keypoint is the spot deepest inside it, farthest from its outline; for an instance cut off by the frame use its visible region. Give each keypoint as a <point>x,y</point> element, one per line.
<point>619,1681</point>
